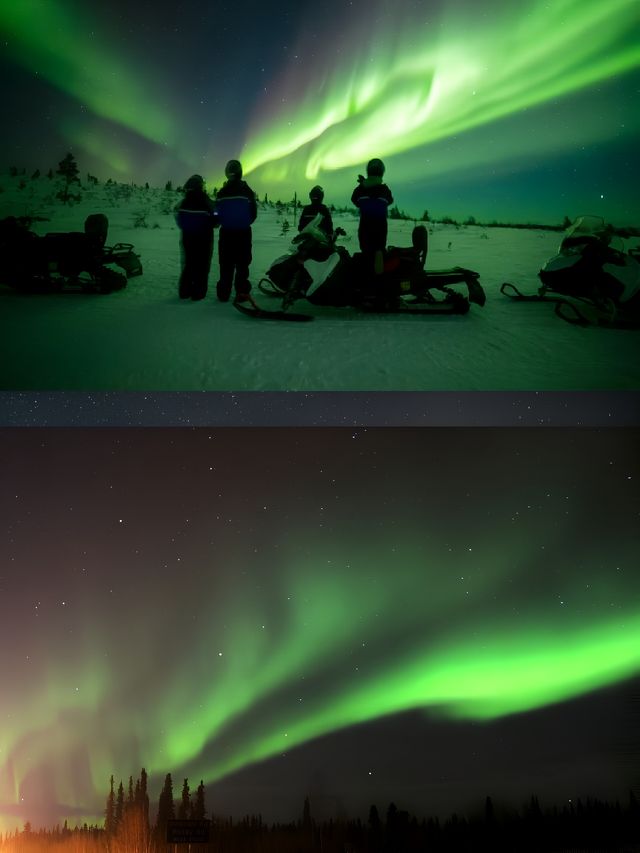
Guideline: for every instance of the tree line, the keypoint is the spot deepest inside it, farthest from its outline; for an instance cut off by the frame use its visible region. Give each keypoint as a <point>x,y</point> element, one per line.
<point>589,825</point>
<point>69,171</point>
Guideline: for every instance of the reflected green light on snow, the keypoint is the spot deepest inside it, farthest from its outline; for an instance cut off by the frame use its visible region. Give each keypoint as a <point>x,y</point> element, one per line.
<point>436,80</point>
<point>49,40</point>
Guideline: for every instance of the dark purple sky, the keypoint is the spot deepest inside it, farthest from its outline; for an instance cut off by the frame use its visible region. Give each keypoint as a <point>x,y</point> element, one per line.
<point>188,599</point>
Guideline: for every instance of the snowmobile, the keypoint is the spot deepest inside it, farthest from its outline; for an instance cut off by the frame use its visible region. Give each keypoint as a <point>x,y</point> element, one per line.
<point>319,270</point>
<point>591,280</point>
<point>74,260</point>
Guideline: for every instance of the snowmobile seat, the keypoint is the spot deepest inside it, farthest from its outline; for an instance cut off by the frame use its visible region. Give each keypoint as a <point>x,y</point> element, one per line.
<point>96,226</point>
<point>71,253</point>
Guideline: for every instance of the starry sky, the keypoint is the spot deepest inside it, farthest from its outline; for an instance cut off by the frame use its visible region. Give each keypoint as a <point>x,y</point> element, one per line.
<point>327,408</point>
<point>360,614</point>
<point>504,111</point>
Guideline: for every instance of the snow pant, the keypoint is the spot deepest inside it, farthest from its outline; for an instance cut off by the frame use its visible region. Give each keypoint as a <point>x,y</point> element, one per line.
<point>234,255</point>
<point>372,235</point>
<point>197,250</point>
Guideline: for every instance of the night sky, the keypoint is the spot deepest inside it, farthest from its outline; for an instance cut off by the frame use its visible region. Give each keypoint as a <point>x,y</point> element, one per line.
<point>327,408</point>
<point>524,111</point>
<point>429,616</point>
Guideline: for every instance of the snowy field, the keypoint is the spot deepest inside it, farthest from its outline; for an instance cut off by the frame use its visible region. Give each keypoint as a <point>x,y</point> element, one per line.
<point>144,338</point>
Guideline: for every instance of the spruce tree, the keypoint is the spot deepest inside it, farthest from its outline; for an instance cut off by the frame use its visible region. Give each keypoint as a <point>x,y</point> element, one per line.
<point>166,810</point>
<point>144,796</point>
<point>198,807</point>
<point>306,814</point>
<point>184,809</point>
<point>68,168</point>
<point>110,812</point>
<point>119,805</point>
<point>374,819</point>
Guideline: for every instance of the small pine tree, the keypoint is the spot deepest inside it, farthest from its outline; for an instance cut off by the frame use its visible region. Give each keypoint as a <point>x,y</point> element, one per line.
<point>110,812</point>
<point>396,213</point>
<point>184,809</point>
<point>488,810</point>
<point>68,169</point>
<point>306,814</point>
<point>119,804</point>
<point>166,808</point>
<point>35,175</point>
<point>144,796</point>
<point>168,186</point>
<point>198,810</point>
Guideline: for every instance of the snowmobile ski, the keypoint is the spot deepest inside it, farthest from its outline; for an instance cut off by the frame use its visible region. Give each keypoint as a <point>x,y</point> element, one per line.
<point>259,313</point>
<point>269,288</point>
<point>512,292</point>
<point>455,303</point>
<point>435,279</point>
<point>588,314</point>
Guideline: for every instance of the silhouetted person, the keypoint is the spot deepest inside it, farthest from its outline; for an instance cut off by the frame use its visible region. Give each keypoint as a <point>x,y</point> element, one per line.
<point>372,197</point>
<point>310,211</point>
<point>195,217</point>
<point>236,208</point>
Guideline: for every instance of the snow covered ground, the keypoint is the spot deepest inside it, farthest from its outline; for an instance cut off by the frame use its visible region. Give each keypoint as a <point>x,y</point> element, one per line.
<point>145,339</point>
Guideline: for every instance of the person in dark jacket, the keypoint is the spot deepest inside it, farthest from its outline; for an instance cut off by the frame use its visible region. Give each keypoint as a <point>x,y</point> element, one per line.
<point>373,198</point>
<point>236,208</point>
<point>310,211</point>
<point>196,218</point>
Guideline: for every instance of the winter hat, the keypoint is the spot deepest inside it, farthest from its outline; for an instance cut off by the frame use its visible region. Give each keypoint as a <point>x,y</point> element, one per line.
<point>233,169</point>
<point>375,168</point>
<point>316,193</point>
<point>195,182</point>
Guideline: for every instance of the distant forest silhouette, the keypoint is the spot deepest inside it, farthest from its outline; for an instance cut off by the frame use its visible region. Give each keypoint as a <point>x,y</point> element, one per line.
<point>69,188</point>
<point>592,825</point>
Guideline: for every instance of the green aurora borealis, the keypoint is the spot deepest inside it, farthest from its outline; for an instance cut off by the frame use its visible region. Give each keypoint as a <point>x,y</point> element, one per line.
<point>419,86</point>
<point>486,107</point>
<point>175,610</point>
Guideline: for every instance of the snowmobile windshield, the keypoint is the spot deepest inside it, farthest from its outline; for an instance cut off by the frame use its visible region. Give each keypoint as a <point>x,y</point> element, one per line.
<point>312,231</point>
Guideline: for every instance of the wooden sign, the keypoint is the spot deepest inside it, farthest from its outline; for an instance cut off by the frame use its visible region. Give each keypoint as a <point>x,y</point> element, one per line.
<point>188,831</point>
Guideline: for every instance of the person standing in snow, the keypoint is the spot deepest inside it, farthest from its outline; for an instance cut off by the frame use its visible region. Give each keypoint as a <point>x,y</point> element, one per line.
<point>373,198</point>
<point>196,218</point>
<point>310,211</point>
<point>236,208</point>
